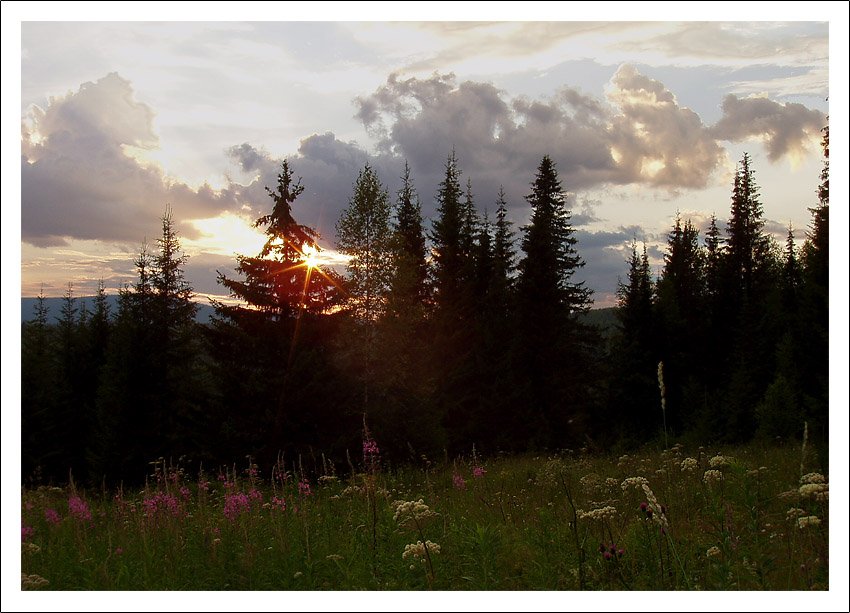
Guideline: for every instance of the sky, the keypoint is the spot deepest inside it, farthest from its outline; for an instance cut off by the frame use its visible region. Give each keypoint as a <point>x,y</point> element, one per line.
<point>644,118</point>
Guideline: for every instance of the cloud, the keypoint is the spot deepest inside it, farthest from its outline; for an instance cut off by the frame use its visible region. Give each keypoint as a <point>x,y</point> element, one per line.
<point>639,134</point>
<point>786,129</point>
<point>79,178</point>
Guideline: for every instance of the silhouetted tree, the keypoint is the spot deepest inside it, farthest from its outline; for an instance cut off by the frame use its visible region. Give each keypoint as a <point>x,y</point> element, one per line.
<point>553,344</point>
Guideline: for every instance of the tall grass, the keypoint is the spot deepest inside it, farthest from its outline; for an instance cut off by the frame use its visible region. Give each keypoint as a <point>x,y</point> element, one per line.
<point>681,519</point>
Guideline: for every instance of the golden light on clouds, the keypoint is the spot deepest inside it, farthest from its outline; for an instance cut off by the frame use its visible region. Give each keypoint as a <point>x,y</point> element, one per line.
<point>227,234</point>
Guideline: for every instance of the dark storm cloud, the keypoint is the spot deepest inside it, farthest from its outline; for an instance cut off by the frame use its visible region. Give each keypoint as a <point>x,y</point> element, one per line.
<point>77,181</point>
<point>785,128</point>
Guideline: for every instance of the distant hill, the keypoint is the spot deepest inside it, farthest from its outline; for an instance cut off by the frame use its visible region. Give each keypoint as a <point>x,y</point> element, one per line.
<point>604,319</point>
<point>54,308</point>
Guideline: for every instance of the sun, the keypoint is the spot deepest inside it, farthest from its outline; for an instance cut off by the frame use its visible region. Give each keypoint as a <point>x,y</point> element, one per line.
<point>310,256</point>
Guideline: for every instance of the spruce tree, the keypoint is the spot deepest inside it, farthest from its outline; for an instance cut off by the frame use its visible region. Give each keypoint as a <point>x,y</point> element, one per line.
<point>553,344</point>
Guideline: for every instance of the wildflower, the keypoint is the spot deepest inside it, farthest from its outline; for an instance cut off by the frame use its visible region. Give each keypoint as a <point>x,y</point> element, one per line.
<point>32,582</point>
<point>712,476</point>
<point>655,512</point>
<point>718,461</point>
<point>26,531</point>
<point>811,520</point>
<point>184,491</point>
<point>79,509</point>
<point>812,490</point>
<point>458,482</point>
<point>328,479</point>
<point>161,503</point>
<point>412,514</point>
<point>611,482</point>
<point>304,487</point>
<point>417,550</point>
<point>478,472</point>
<point>30,548</point>
<point>334,557</point>
<point>298,575</point>
<point>235,504</point>
<point>713,552</point>
<point>636,482</point>
<point>603,513</point>
<point>371,452</point>
<point>812,478</point>
<point>119,551</point>
<point>278,503</point>
<point>689,465</point>
<point>793,513</point>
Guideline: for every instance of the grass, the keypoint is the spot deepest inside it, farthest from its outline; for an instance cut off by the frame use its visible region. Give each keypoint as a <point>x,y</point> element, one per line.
<point>563,522</point>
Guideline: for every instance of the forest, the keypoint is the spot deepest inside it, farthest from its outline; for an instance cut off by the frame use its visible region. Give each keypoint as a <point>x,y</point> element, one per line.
<point>439,336</point>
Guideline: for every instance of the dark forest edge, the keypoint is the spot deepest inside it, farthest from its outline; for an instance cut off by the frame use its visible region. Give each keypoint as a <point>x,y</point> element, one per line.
<point>479,344</point>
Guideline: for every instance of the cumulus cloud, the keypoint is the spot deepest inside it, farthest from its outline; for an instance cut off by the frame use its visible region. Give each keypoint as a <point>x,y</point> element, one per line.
<point>78,181</point>
<point>786,129</point>
<point>639,134</point>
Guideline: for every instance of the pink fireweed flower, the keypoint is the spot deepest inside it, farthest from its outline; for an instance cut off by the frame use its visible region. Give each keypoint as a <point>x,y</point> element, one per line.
<point>478,472</point>
<point>304,487</point>
<point>79,509</point>
<point>279,503</point>
<point>52,516</point>
<point>371,452</point>
<point>161,503</point>
<point>184,491</point>
<point>26,531</point>
<point>235,504</point>
<point>119,551</point>
<point>458,481</point>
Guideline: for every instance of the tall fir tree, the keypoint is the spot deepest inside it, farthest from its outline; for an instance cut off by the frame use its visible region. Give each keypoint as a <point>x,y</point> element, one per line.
<point>751,283</point>
<point>270,350</point>
<point>410,270</point>
<point>553,347</point>
<point>680,300</point>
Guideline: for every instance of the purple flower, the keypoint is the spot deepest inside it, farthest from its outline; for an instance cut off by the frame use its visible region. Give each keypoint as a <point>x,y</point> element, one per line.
<point>119,551</point>
<point>304,487</point>
<point>458,481</point>
<point>52,516</point>
<point>79,509</point>
<point>478,472</point>
<point>26,531</point>
<point>235,504</point>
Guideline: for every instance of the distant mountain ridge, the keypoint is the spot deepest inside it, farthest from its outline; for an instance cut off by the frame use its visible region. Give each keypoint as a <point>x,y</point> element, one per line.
<point>605,319</point>
<point>54,308</point>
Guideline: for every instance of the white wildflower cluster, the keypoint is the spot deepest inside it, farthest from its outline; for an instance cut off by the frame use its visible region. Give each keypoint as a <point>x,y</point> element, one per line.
<point>812,478</point>
<point>552,471</point>
<point>718,461</point>
<point>816,491</point>
<point>635,482</point>
<point>805,522</point>
<point>612,482</point>
<point>327,479</point>
<point>417,550</point>
<point>795,513</point>
<point>351,490</point>
<point>589,481</point>
<point>32,582</point>
<point>713,552</point>
<point>412,514</point>
<point>658,515</point>
<point>30,548</point>
<point>603,513</point>
<point>712,476</point>
<point>689,465</point>
<point>622,461</point>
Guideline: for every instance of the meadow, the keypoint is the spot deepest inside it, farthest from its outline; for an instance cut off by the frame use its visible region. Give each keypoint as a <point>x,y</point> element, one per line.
<point>744,518</point>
